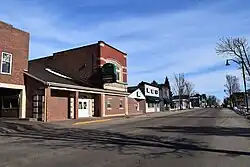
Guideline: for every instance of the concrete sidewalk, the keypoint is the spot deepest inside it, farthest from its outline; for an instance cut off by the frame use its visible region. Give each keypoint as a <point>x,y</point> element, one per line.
<point>95,120</point>
<point>91,120</point>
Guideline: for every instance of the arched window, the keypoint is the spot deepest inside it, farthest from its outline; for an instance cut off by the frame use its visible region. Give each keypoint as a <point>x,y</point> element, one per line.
<point>119,77</point>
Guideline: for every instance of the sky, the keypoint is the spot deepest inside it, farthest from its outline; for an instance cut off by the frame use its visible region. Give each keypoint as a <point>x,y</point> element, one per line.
<point>161,37</point>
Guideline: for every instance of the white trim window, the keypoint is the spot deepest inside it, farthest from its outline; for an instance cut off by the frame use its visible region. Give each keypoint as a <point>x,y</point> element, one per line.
<point>118,74</point>
<point>6,63</point>
<point>119,71</point>
<point>108,105</point>
<point>121,104</point>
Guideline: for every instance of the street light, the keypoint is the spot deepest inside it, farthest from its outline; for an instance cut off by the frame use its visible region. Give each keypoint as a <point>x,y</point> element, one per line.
<point>244,78</point>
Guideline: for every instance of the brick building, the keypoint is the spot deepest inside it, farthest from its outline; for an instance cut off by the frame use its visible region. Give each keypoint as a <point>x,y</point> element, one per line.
<point>14,51</point>
<point>70,84</point>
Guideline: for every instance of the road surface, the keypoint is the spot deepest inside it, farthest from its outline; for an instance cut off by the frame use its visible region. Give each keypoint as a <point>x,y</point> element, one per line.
<point>200,138</point>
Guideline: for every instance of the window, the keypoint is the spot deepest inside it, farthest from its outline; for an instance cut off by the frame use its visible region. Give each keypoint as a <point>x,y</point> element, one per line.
<point>121,104</point>
<point>85,105</point>
<point>6,63</point>
<point>10,103</point>
<point>118,74</point>
<point>137,107</point>
<point>108,104</point>
<point>80,105</point>
<point>150,105</point>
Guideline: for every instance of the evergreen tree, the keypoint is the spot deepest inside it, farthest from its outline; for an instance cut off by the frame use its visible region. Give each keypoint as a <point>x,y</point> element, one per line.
<point>169,87</point>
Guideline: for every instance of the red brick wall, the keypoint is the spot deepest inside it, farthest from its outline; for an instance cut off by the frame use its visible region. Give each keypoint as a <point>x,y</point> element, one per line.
<point>97,106</point>
<point>108,52</point>
<point>132,107</point>
<point>32,87</point>
<point>115,103</point>
<point>80,63</point>
<point>16,42</point>
<point>142,105</point>
<point>58,105</point>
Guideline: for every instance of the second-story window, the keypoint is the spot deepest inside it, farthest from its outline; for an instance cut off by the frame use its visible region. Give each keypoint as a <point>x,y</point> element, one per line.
<point>118,74</point>
<point>6,63</point>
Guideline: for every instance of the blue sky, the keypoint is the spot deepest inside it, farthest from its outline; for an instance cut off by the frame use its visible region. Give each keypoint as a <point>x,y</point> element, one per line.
<point>161,37</point>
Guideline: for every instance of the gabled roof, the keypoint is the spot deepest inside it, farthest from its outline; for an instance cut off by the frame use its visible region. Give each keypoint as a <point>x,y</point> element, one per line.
<point>137,94</point>
<point>131,89</point>
<point>146,83</point>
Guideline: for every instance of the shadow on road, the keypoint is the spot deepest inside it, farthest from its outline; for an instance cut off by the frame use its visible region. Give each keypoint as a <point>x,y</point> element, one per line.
<point>143,145</point>
<point>204,130</point>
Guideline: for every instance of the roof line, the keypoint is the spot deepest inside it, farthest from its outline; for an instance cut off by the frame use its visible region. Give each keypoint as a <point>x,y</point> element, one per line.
<point>112,47</point>
<point>75,48</point>
<point>86,88</point>
<point>36,78</point>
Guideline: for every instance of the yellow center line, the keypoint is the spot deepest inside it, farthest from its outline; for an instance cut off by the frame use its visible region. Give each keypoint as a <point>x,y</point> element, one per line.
<point>89,122</point>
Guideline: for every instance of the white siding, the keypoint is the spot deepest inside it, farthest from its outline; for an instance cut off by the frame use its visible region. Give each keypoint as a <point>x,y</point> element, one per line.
<point>151,91</point>
<point>137,94</point>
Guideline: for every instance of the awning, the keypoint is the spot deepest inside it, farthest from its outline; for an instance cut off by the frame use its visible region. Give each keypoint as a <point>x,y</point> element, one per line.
<point>151,99</point>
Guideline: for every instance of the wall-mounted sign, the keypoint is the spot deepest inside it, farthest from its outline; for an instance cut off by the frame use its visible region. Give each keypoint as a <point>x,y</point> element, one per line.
<point>109,73</point>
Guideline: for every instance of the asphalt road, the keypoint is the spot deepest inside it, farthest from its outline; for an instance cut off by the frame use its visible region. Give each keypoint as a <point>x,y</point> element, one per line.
<point>200,138</point>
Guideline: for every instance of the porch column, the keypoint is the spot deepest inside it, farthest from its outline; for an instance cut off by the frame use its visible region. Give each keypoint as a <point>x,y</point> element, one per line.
<point>22,110</point>
<point>47,95</point>
<point>103,105</point>
<point>76,105</point>
<point>126,105</point>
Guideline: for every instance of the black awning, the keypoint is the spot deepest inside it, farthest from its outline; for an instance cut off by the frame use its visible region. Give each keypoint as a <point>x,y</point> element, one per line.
<point>151,99</point>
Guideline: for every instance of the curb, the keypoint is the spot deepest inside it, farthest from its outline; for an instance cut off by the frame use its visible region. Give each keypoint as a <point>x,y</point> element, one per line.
<point>93,121</point>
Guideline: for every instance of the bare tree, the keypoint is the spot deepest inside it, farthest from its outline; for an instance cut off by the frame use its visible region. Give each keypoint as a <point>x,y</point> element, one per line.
<point>237,49</point>
<point>189,90</point>
<point>232,85</point>
<point>179,87</point>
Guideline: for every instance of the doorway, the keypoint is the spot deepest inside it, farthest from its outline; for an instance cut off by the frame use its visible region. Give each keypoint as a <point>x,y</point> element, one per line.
<point>83,108</point>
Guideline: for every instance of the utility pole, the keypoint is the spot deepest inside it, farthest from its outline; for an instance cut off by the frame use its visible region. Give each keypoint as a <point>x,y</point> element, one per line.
<point>244,79</point>
<point>245,88</point>
<point>179,91</point>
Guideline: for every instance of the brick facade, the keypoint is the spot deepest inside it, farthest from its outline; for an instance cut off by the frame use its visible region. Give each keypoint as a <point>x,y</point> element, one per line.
<point>115,108</point>
<point>107,52</point>
<point>132,103</point>
<point>80,64</point>
<point>57,105</point>
<point>16,42</point>
<point>35,88</point>
<point>83,65</point>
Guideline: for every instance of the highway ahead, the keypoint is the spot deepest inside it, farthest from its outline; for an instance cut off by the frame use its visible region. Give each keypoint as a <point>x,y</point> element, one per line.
<point>200,138</point>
